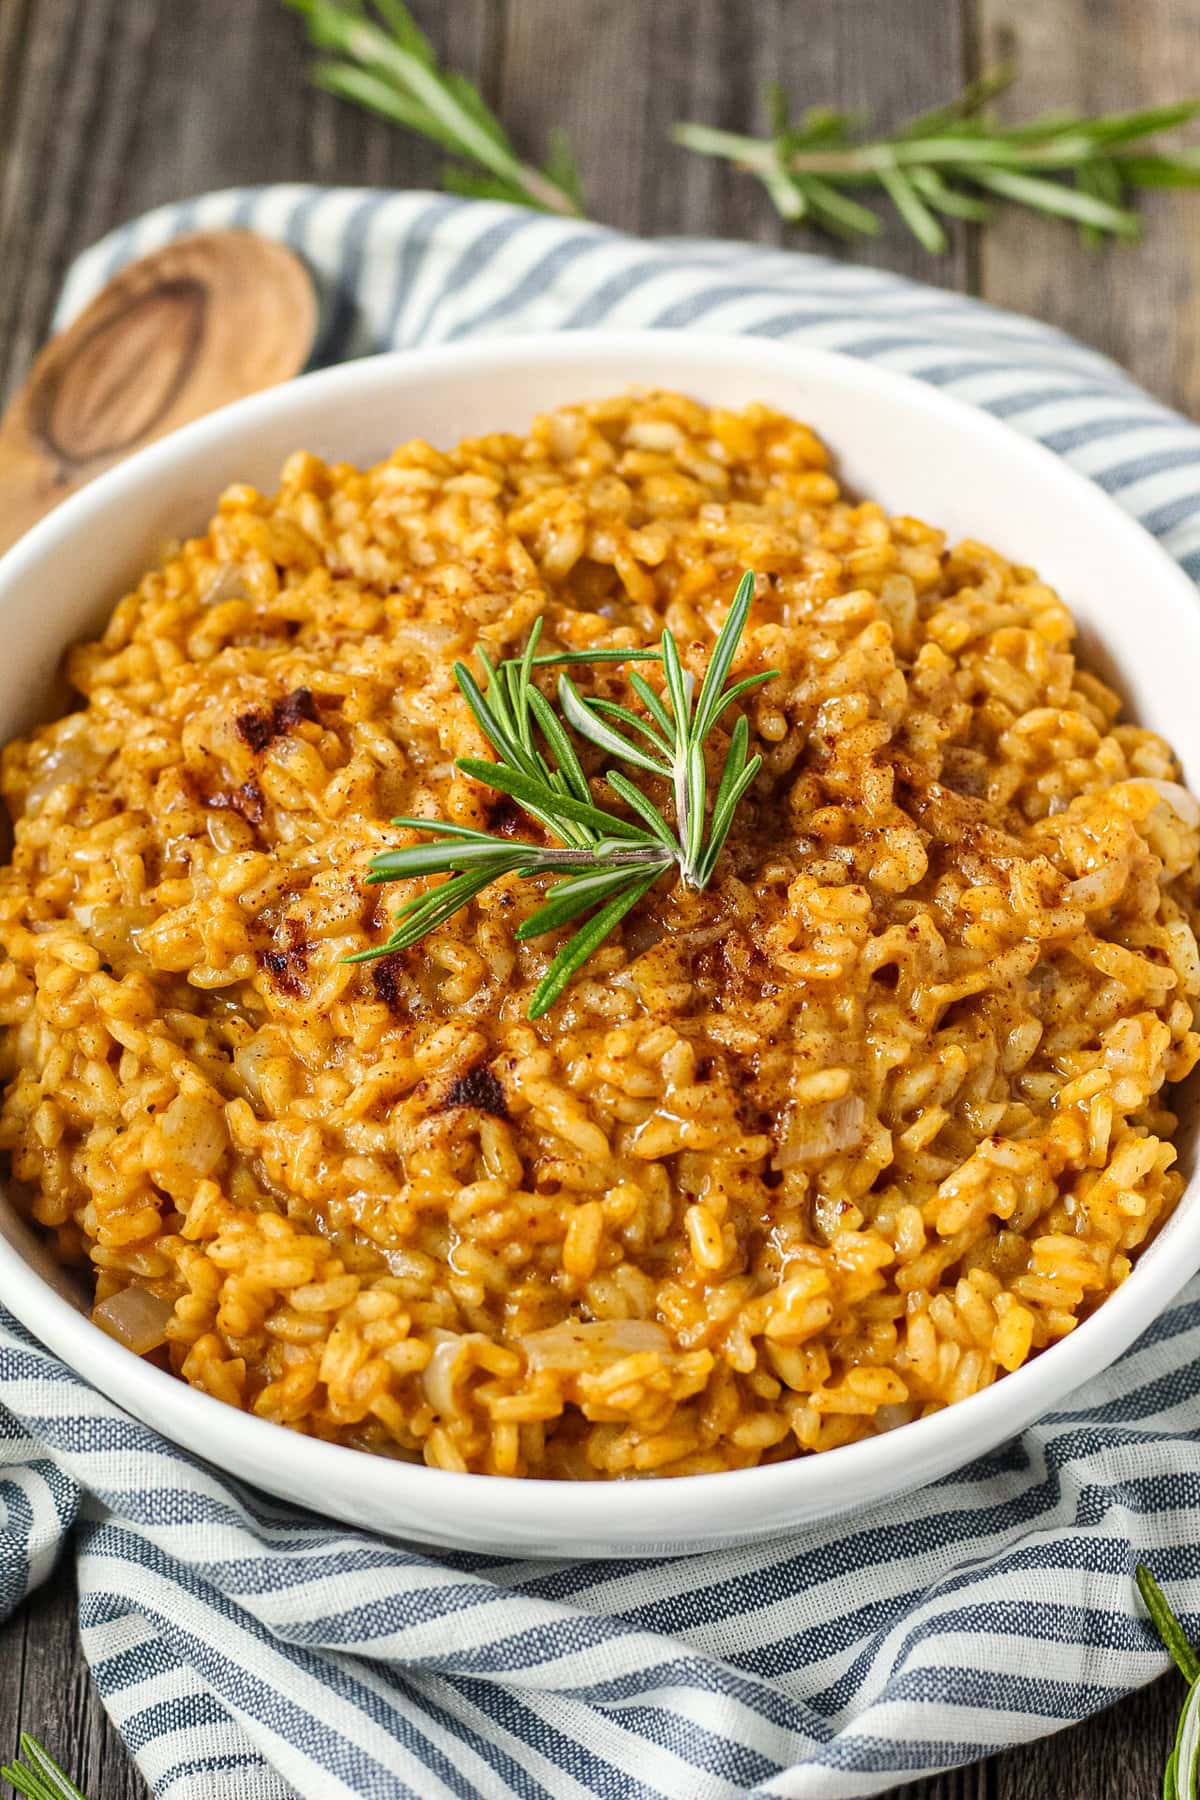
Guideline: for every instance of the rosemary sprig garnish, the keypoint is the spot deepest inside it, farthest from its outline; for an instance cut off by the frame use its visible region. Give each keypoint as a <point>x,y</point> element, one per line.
<point>387,64</point>
<point>1181,1778</point>
<point>954,161</point>
<point>608,860</point>
<point>37,1776</point>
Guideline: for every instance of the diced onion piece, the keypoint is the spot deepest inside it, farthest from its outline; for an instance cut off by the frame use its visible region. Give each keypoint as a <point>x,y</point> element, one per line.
<point>817,1131</point>
<point>1178,799</point>
<point>70,759</point>
<point>890,1418</point>
<point>193,1135</point>
<point>229,583</point>
<point>111,930</point>
<point>437,1377</point>
<point>250,1061</point>
<point>136,1318</point>
<point>572,1347</point>
<point>442,1371</point>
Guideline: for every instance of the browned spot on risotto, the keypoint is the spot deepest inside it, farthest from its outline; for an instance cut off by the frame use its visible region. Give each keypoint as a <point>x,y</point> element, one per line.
<point>260,727</point>
<point>839,1141</point>
<point>478,1088</point>
<point>246,800</point>
<point>287,966</point>
<point>385,979</point>
<point>505,818</point>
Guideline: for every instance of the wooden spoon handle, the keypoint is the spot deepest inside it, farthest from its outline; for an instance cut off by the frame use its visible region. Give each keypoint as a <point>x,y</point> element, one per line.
<point>205,320</point>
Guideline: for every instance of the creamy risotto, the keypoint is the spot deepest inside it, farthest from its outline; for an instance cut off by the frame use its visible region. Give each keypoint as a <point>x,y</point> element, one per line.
<point>830,1145</point>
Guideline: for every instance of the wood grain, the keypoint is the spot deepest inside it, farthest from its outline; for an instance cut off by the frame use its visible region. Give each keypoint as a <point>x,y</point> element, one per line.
<point>209,318</point>
<point>709,60</point>
<point>1138,305</point>
<point>111,106</point>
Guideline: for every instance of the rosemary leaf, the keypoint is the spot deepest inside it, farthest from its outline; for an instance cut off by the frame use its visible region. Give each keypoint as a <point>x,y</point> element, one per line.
<point>946,199</point>
<point>738,689</point>
<point>695,783</point>
<point>1180,170</point>
<point>564,750</point>
<point>609,709</point>
<point>559,658</point>
<point>1053,197</point>
<point>493,714</point>
<point>1180,1777</point>
<point>677,684</point>
<point>1100,178</point>
<point>642,805</point>
<point>906,198</point>
<point>563,169</point>
<point>1185,1755</point>
<point>574,954</point>
<point>791,201</point>
<point>652,703</point>
<point>444,828</point>
<point>723,653</point>
<point>735,763</point>
<point>470,186</point>
<point>436,859</point>
<point>723,817</point>
<point>965,106</point>
<point>1124,128</point>
<point>369,90</point>
<point>1167,1625</point>
<point>406,31</point>
<point>778,108</point>
<point>588,721</point>
<point>837,212</point>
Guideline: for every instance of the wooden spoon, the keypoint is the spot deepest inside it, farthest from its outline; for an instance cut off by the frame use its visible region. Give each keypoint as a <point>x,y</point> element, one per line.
<point>204,320</point>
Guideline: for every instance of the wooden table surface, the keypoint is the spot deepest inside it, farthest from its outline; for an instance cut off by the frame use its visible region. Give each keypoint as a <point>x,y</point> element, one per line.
<point>108,107</point>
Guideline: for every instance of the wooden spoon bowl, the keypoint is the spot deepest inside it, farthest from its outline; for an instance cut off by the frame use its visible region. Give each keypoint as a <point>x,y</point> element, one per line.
<point>205,320</point>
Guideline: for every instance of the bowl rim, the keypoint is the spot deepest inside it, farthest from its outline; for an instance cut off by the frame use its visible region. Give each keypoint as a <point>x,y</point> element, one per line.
<point>804,1486</point>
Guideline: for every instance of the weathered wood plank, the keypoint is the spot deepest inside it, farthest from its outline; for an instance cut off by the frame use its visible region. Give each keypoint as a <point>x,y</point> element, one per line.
<point>12,1675</point>
<point>1118,1754</point>
<point>976,1783</point>
<point>55,1700</point>
<point>645,68</point>
<point>1137,304</point>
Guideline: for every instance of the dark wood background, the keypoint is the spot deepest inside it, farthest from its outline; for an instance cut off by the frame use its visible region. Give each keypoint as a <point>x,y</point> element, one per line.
<point>108,107</point>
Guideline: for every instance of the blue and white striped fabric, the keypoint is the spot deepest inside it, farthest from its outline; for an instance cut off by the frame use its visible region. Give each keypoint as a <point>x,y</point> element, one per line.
<point>249,1652</point>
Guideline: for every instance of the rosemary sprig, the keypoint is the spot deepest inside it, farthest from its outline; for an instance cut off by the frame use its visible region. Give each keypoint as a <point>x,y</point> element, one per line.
<point>387,64</point>
<point>954,161</point>
<point>1181,1777</point>
<point>608,860</point>
<point>37,1776</point>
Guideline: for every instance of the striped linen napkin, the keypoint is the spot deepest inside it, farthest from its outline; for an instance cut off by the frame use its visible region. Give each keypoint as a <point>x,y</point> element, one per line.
<point>247,1651</point>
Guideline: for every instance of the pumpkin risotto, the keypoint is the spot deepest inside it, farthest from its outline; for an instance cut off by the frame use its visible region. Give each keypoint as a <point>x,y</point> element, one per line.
<point>793,1160</point>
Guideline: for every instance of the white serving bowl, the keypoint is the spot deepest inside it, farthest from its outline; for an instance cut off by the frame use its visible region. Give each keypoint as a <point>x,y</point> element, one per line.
<point>900,442</point>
